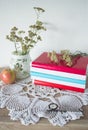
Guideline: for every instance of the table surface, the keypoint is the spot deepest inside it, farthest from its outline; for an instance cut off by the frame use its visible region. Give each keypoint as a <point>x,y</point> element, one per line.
<point>7,124</point>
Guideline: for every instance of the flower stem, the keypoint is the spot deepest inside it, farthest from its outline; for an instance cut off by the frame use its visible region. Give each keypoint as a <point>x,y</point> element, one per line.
<point>15,47</point>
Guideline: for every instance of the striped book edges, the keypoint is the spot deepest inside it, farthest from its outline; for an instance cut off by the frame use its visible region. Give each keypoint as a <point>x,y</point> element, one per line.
<point>46,73</point>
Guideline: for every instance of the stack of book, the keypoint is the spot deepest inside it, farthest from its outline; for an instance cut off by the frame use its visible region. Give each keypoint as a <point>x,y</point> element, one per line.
<point>46,73</point>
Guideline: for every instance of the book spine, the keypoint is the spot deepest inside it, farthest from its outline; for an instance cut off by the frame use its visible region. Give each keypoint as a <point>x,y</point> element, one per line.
<point>59,68</point>
<point>59,79</point>
<point>58,73</point>
<point>59,86</point>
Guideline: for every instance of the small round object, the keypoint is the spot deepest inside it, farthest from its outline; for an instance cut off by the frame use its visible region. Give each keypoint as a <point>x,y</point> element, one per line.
<point>53,106</point>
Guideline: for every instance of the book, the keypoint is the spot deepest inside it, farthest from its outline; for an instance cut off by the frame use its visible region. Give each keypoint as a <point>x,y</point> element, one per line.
<point>59,86</point>
<point>58,81</point>
<point>57,75</point>
<point>43,61</point>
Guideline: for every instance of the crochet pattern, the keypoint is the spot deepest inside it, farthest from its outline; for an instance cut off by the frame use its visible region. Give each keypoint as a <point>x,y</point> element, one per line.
<point>28,103</point>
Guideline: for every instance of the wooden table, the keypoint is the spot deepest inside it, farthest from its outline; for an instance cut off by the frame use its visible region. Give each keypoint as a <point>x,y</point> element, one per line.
<point>7,124</point>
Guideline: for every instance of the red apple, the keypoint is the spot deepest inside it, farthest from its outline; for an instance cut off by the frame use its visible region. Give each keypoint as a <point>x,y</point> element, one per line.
<point>8,76</point>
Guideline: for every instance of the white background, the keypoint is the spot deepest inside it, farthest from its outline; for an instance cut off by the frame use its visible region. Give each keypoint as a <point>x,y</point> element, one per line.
<point>66,22</point>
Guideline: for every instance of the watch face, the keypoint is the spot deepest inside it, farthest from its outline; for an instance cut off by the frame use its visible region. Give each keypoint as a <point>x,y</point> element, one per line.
<point>53,106</point>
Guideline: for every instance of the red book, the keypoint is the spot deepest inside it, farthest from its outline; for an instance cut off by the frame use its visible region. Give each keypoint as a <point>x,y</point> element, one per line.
<point>60,86</point>
<point>43,61</point>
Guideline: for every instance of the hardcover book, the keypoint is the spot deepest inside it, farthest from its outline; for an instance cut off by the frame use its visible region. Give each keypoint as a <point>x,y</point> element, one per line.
<point>45,72</point>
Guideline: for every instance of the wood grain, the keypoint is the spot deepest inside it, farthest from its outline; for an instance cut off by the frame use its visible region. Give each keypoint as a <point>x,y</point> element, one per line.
<point>7,124</point>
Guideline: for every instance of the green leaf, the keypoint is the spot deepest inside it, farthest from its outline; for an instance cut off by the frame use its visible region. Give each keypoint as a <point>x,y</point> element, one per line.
<point>39,38</point>
<point>14,28</point>
<point>39,9</point>
<point>31,34</point>
<point>20,32</point>
<point>39,23</point>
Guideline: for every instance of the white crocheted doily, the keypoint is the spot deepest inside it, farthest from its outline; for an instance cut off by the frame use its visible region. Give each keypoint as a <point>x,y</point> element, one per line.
<point>28,103</point>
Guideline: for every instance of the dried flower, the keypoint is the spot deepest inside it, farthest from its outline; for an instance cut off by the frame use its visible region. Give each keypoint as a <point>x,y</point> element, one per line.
<point>66,57</point>
<point>23,41</point>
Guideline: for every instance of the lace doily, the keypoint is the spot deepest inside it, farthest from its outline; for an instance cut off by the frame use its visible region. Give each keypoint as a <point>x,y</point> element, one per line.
<point>28,103</point>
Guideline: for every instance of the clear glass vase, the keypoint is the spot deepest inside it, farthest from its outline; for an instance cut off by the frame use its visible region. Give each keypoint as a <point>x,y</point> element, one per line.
<point>21,64</point>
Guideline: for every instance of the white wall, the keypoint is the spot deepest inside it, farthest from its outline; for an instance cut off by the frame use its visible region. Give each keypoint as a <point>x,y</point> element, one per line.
<point>66,23</point>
